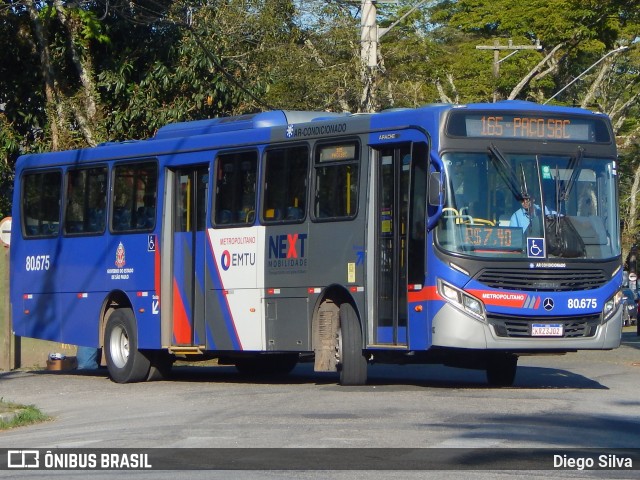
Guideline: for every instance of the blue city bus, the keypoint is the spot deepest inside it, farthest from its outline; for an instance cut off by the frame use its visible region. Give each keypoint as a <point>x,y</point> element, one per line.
<point>466,235</point>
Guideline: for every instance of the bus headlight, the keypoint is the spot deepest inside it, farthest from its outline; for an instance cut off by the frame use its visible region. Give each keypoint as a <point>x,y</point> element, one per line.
<point>611,305</point>
<point>461,300</point>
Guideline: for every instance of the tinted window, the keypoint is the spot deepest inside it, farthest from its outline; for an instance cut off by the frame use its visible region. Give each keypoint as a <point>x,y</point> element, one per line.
<point>285,186</point>
<point>235,194</point>
<point>336,181</point>
<point>134,197</point>
<point>86,200</point>
<point>41,200</point>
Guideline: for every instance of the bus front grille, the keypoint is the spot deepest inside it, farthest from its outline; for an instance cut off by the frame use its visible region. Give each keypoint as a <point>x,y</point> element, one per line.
<point>543,280</point>
<point>518,327</point>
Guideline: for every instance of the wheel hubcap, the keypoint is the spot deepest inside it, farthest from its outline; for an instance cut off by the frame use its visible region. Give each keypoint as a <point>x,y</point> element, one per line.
<point>119,347</point>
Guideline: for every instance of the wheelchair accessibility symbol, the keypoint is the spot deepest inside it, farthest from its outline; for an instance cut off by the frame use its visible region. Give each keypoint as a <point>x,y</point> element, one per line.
<point>536,248</point>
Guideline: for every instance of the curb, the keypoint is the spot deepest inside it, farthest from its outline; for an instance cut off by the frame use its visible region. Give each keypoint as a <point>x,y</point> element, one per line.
<point>9,416</point>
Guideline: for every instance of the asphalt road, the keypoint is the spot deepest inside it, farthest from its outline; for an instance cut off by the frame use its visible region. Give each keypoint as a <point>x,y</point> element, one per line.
<point>580,400</point>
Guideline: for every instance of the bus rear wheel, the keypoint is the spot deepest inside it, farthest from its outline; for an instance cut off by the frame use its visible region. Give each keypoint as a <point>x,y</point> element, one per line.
<point>351,362</point>
<point>126,364</point>
<point>501,369</point>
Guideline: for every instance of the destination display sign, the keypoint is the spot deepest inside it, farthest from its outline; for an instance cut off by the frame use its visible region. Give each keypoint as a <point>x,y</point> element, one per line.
<point>337,152</point>
<point>528,126</point>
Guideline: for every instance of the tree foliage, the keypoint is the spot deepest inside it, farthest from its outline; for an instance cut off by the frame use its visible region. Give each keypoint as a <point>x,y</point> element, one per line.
<point>76,73</point>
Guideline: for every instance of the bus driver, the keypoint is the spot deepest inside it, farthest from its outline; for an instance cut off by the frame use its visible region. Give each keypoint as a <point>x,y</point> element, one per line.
<point>522,216</point>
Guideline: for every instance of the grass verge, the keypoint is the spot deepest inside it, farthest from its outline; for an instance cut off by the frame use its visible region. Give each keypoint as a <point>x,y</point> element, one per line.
<point>14,415</point>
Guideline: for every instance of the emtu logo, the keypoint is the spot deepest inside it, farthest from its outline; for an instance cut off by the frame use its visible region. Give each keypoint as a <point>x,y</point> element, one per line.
<point>291,245</point>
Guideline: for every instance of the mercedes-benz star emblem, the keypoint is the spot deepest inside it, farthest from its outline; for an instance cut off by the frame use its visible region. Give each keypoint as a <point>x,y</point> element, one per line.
<point>547,304</point>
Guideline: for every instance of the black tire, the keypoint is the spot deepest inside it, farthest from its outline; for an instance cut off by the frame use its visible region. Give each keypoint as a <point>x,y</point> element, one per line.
<point>501,369</point>
<point>161,363</point>
<point>125,362</point>
<point>270,364</point>
<point>352,364</point>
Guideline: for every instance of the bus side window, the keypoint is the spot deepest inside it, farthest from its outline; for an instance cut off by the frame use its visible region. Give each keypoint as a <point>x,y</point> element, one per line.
<point>336,181</point>
<point>85,200</point>
<point>41,202</point>
<point>285,185</point>
<point>135,193</point>
<point>235,189</point>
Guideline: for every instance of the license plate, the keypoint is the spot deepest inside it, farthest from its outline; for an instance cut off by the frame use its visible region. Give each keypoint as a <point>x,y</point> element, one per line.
<point>547,330</point>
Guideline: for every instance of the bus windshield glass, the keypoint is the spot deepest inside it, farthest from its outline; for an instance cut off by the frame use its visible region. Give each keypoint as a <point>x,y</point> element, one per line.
<point>503,205</point>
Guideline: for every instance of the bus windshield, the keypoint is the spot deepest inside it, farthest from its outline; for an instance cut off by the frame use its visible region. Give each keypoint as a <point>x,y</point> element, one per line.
<point>509,206</point>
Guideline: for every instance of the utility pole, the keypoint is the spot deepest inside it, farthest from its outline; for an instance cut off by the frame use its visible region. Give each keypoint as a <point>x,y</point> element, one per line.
<point>496,47</point>
<point>6,336</point>
<point>369,53</point>
<point>370,36</point>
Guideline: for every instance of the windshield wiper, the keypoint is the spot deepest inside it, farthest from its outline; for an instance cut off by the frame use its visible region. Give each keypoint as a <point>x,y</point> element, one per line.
<point>574,166</point>
<point>523,183</point>
<point>506,171</point>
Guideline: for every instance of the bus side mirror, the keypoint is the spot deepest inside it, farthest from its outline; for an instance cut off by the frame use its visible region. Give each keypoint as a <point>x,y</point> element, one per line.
<point>436,192</point>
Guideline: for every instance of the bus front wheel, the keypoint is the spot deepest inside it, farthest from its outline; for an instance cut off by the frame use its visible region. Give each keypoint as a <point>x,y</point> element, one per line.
<point>501,369</point>
<point>351,362</point>
<point>126,364</point>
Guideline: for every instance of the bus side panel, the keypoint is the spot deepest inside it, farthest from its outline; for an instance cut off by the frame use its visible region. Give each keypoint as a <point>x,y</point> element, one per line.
<point>76,275</point>
<point>287,323</point>
<point>128,263</point>
<point>435,304</point>
<point>337,253</point>
<point>302,260</point>
<point>235,313</point>
<point>32,271</point>
<point>80,286</point>
<point>35,315</point>
<point>78,315</point>
<point>419,329</point>
<point>286,270</point>
<point>71,285</point>
<point>147,311</point>
<point>421,303</point>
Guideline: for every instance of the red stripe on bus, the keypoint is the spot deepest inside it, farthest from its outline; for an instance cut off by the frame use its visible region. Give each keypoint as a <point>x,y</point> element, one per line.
<point>181,325</point>
<point>426,294</point>
<point>500,299</point>
<point>156,273</point>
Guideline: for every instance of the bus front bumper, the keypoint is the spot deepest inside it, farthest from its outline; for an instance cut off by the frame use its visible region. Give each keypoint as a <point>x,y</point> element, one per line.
<point>453,328</point>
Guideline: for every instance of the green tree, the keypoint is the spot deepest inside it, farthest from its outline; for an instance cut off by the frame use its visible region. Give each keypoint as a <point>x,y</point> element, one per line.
<point>191,60</point>
<point>317,66</point>
<point>581,61</point>
<point>74,73</point>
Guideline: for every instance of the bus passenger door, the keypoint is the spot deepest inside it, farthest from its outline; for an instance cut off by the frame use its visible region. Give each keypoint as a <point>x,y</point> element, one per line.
<point>399,221</point>
<point>189,247</point>
<point>391,269</point>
